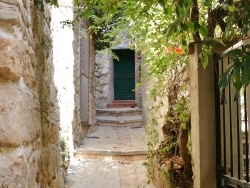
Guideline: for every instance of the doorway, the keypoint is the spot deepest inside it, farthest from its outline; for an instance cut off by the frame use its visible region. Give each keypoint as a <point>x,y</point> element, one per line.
<point>124,74</point>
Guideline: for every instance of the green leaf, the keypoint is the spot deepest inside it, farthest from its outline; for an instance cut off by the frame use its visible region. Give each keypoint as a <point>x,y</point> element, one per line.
<point>184,42</point>
<point>171,29</point>
<point>245,77</point>
<point>231,8</point>
<point>237,74</point>
<point>191,26</point>
<point>225,78</point>
<point>220,42</point>
<point>207,3</point>
<point>234,53</point>
<point>203,31</point>
<point>205,59</point>
<point>168,10</point>
<point>245,30</point>
<point>196,27</point>
<point>54,2</point>
<point>184,27</point>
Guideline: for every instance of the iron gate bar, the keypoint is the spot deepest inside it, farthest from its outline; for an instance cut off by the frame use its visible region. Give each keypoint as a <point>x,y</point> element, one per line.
<point>224,125</point>
<point>238,134</point>
<point>235,181</point>
<point>230,124</point>
<point>226,131</point>
<point>246,137</point>
<point>237,45</point>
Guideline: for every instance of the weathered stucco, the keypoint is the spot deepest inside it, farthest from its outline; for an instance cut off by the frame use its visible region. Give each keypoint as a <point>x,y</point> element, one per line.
<point>29,118</point>
<point>203,121</point>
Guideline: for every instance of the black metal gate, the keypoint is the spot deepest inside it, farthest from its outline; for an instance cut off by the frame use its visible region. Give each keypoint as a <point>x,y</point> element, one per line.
<point>232,131</point>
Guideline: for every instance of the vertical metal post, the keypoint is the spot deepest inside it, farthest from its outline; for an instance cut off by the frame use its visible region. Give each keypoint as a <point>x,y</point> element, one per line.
<point>238,134</point>
<point>224,123</point>
<point>230,125</point>
<point>246,137</point>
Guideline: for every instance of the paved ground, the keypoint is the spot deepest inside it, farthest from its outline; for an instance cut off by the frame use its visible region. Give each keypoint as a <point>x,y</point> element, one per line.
<point>93,173</point>
<point>107,172</point>
<point>116,139</point>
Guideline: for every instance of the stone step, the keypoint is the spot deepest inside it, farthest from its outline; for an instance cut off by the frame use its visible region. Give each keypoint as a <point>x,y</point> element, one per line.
<point>128,155</point>
<point>114,143</point>
<point>116,112</point>
<point>120,121</point>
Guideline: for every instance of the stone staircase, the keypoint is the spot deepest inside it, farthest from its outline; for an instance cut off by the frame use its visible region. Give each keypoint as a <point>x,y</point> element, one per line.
<point>119,117</point>
<point>120,135</point>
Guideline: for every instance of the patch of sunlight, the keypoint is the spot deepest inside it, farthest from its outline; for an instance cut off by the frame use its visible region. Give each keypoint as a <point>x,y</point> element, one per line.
<point>63,62</point>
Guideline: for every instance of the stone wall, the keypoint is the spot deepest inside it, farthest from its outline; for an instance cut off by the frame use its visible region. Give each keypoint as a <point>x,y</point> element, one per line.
<point>102,74</point>
<point>29,120</point>
<point>84,98</point>
<point>148,104</point>
<point>76,123</point>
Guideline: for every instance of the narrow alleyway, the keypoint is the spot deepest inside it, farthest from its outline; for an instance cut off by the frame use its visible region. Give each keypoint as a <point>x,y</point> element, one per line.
<point>111,157</point>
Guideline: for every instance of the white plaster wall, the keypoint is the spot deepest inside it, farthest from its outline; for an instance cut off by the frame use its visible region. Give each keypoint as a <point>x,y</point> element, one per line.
<point>63,59</point>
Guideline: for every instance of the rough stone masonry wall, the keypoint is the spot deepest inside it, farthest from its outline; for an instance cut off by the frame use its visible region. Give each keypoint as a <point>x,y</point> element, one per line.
<point>79,129</point>
<point>102,74</point>
<point>29,120</point>
<point>148,104</point>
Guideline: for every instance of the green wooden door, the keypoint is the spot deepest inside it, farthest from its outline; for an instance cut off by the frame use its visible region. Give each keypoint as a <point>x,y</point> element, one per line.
<point>124,75</point>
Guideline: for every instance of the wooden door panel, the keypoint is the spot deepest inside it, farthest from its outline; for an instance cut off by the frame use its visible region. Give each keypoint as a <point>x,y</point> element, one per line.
<point>124,75</point>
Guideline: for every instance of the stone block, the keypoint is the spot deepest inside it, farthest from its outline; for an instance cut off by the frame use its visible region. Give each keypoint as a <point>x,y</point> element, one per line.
<point>9,13</point>
<point>15,171</point>
<point>19,116</point>
<point>10,68</point>
<point>11,2</point>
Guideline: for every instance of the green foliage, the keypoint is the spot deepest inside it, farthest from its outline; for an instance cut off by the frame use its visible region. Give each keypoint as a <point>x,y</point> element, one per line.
<point>155,25</point>
<point>182,110</point>
<point>65,154</point>
<point>40,3</point>
<point>238,70</point>
<point>153,136</point>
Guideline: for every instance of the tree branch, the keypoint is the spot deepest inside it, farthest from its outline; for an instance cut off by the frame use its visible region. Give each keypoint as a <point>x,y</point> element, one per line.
<point>195,19</point>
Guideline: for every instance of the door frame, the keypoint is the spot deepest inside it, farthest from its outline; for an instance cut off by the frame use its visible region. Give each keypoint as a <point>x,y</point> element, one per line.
<point>137,77</point>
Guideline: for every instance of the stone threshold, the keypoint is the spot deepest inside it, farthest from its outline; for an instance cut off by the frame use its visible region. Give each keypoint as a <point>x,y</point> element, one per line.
<point>122,104</point>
